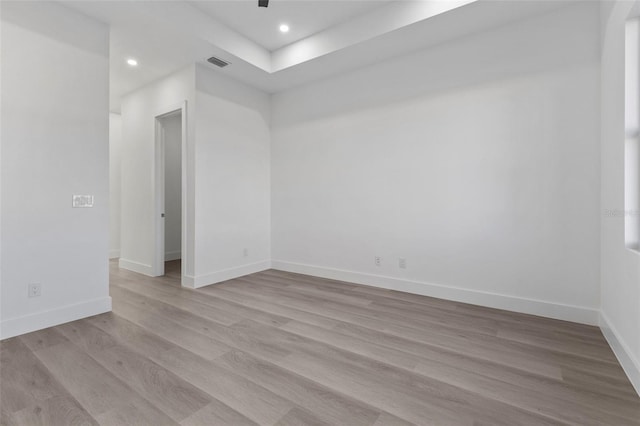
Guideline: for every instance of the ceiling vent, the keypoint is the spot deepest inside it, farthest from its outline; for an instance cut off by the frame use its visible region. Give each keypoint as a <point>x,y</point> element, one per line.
<point>218,62</point>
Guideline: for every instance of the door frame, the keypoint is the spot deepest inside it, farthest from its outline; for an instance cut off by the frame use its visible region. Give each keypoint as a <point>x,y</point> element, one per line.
<point>159,188</point>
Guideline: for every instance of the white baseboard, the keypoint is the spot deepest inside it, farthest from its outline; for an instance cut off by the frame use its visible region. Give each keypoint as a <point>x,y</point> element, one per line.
<point>225,274</point>
<point>114,254</point>
<point>542,308</point>
<point>172,255</point>
<point>630,364</point>
<point>138,267</point>
<point>39,320</point>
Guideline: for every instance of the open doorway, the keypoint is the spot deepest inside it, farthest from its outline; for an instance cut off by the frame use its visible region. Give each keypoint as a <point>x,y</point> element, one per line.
<point>169,194</point>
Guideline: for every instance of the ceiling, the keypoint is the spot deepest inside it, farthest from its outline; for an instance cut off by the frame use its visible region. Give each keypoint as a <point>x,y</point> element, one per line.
<point>327,37</point>
<point>305,17</point>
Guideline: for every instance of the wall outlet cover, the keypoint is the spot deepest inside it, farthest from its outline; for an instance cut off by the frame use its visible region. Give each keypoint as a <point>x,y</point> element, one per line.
<point>35,289</point>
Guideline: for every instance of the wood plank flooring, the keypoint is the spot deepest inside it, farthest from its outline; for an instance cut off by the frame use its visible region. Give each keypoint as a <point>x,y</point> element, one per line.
<point>277,348</point>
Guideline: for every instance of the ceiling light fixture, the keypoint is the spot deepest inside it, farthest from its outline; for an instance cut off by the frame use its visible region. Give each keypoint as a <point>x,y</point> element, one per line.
<point>132,62</point>
<point>284,28</point>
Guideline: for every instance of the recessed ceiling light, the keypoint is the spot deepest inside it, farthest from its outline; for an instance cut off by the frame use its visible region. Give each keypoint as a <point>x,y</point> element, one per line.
<point>284,28</point>
<point>132,62</point>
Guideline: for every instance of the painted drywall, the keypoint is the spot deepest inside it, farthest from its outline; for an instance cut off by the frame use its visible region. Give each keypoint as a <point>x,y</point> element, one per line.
<point>632,135</point>
<point>52,150</point>
<point>476,161</point>
<point>172,126</point>
<point>228,175</point>
<point>115,148</point>
<point>620,267</point>
<point>139,111</point>
<point>232,178</point>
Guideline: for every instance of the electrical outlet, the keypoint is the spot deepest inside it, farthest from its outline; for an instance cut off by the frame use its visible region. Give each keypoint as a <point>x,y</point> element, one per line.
<point>377,260</point>
<point>402,263</point>
<point>245,252</point>
<point>35,290</point>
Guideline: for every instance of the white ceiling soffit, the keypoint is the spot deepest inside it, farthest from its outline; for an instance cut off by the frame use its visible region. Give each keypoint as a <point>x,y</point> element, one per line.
<point>380,21</point>
<point>473,18</point>
<point>165,36</point>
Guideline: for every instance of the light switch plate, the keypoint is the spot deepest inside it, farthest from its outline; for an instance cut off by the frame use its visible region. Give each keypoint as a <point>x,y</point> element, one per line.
<point>82,201</point>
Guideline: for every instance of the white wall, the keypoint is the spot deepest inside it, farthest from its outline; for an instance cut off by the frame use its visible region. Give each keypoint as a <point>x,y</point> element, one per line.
<point>54,144</point>
<point>232,178</point>
<point>172,125</point>
<point>228,180</point>
<point>477,161</point>
<point>115,148</point>
<point>620,267</point>
<point>139,110</point>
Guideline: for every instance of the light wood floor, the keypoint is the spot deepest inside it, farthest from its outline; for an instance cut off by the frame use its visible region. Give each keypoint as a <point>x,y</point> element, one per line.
<point>277,348</point>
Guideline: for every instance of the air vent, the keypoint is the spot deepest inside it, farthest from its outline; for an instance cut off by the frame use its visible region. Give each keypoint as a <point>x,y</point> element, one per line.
<point>218,62</point>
